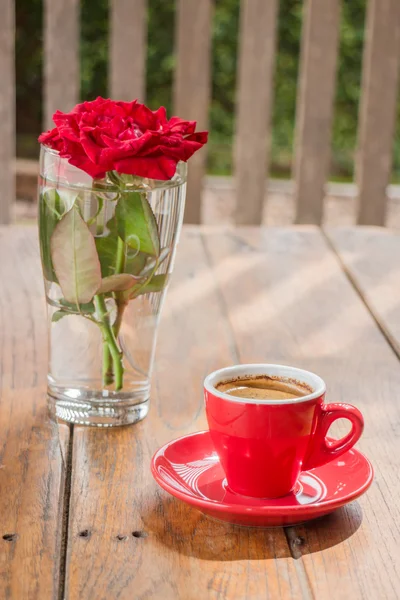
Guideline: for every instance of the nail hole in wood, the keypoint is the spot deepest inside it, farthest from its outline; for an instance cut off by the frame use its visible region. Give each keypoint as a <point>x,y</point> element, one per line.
<point>139,534</point>
<point>298,541</point>
<point>85,533</point>
<point>121,537</point>
<point>10,537</point>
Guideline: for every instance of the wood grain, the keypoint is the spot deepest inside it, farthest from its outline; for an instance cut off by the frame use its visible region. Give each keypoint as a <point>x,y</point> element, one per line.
<point>258,21</point>
<point>299,308</point>
<point>371,258</point>
<point>237,295</point>
<point>192,85</point>
<point>128,49</point>
<point>7,109</point>
<point>127,538</point>
<point>314,109</point>
<point>31,446</point>
<point>377,112</point>
<point>61,57</point>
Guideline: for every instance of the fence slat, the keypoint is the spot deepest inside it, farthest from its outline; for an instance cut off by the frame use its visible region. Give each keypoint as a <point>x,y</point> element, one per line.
<point>7,110</point>
<point>61,57</point>
<point>376,125</point>
<point>314,110</point>
<point>128,45</point>
<point>254,101</point>
<point>192,86</point>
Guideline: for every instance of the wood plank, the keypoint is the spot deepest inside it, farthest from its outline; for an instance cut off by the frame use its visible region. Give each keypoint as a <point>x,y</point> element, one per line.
<point>32,448</point>
<point>192,87</point>
<point>314,110</point>
<point>377,112</point>
<point>370,255</point>
<point>175,552</point>
<point>258,21</point>
<point>7,110</point>
<point>297,307</point>
<point>128,49</point>
<point>61,57</point>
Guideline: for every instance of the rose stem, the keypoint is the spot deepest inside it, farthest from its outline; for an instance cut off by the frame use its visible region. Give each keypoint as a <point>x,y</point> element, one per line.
<point>111,342</point>
<point>119,298</point>
<point>120,264</point>
<point>121,305</point>
<point>107,365</point>
<point>108,375</point>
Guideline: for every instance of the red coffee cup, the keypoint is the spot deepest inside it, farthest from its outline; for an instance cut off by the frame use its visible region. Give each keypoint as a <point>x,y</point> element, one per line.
<point>263,445</point>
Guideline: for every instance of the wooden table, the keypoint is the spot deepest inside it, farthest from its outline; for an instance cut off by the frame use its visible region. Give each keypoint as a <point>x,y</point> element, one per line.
<point>81,517</point>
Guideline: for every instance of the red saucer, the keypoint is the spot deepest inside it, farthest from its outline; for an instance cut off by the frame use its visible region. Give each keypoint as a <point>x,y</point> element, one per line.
<point>189,469</point>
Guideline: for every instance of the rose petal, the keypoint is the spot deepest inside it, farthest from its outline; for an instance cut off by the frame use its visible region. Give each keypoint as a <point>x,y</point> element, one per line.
<point>102,135</point>
<point>184,127</point>
<point>52,139</point>
<point>162,168</point>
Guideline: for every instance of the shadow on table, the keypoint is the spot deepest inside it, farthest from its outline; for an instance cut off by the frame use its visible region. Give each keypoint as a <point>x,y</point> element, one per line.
<point>330,530</point>
<point>187,531</point>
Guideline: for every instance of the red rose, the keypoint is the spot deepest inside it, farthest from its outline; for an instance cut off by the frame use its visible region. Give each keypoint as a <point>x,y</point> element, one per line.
<point>52,139</point>
<point>126,137</point>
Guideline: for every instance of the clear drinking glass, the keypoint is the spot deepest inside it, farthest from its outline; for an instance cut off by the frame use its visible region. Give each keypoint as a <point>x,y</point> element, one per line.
<point>79,391</point>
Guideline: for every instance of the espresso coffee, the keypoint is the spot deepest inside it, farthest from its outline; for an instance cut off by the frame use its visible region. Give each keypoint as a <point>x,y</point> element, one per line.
<point>264,387</point>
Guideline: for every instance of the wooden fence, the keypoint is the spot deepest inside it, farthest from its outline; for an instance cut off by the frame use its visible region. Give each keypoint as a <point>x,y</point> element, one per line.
<point>256,60</point>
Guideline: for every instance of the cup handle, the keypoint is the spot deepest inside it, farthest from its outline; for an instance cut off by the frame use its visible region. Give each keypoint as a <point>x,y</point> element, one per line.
<point>322,450</point>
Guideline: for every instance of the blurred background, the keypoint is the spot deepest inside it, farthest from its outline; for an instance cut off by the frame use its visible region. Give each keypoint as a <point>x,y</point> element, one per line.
<point>160,63</point>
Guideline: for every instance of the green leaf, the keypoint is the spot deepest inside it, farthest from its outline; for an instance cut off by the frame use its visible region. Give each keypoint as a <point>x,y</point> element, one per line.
<point>53,204</point>
<point>75,260</point>
<point>49,208</point>
<point>142,265</point>
<point>59,314</point>
<point>156,284</point>
<point>72,309</point>
<point>136,223</point>
<point>137,264</point>
<point>116,283</point>
<point>60,201</point>
<point>100,203</point>
<point>53,201</point>
<point>68,199</point>
<point>86,308</point>
<point>107,249</point>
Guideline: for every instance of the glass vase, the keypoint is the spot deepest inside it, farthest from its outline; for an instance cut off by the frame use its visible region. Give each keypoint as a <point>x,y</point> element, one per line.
<point>107,250</point>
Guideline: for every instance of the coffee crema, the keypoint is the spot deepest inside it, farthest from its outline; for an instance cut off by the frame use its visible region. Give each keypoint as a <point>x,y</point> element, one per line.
<point>264,387</point>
